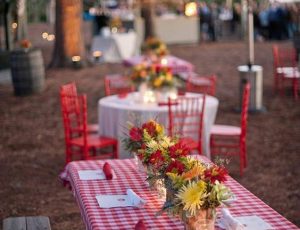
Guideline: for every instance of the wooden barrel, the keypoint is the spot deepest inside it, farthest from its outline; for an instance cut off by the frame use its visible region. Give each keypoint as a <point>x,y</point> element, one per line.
<point>28,72</point>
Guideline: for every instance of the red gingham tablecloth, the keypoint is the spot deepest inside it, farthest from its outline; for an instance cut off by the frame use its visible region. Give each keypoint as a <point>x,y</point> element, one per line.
<point>127,176</point>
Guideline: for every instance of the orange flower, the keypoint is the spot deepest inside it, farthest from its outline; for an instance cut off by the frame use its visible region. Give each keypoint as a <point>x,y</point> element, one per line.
<point>25,43</point>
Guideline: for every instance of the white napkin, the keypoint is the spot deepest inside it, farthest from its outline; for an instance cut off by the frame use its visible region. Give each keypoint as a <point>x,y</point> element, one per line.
<point>228,222</point>
<point>131,199</point>
<point>92,175</point>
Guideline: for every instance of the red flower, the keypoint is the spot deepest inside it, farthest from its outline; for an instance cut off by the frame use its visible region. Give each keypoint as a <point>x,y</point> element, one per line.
<point>216,173</point>
<point>150,127</point>
<point>156,158</point>
<point>175,167</point>
<point>178,150</point>
<point>135,134</point>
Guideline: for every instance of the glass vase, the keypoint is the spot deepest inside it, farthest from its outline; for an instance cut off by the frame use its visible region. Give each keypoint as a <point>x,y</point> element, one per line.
<point>164,93</point>
<point>204,220</point>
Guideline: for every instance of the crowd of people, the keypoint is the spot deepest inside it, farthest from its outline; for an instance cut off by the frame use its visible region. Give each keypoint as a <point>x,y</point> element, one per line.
<point>273,21</point>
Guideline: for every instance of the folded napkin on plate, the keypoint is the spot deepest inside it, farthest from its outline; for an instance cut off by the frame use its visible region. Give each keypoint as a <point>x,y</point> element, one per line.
<point>140,225</point>
<point>131,199</point>
<point>228,222</point>
<point>107,171</point>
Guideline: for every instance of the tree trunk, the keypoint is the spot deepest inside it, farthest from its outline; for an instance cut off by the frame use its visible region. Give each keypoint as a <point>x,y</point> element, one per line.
<point>22,20</point>
<point>148,14</point>
<point>69,39</point>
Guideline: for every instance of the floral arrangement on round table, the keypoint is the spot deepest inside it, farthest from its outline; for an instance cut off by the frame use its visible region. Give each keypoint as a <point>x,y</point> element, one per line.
<point>193,189</point>
<point>154,48</point>
<point>157,79</point>
<point>25,44</point>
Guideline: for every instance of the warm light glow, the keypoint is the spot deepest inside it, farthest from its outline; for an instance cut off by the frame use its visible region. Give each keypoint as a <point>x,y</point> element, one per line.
<point>51,37</point>
<point>14,25</point>
<point>114,30</point>
<point>190,9</point>
<point>97,54</point>
<point>164,61</point>
<point>76,58</point>
<point>45,35</point>
<point>149,96</point>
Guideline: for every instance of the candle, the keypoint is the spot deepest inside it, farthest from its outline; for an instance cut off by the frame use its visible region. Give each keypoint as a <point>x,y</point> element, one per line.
<point>164,62</point>
<point>44,35</point>
<point>97,54</point>
<point>76,61</point>
<point>50,37</point>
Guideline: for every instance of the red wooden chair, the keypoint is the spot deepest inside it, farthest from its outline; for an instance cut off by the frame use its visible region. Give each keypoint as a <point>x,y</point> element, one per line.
<point>79,141</point>
<point>186,120</point>
<point>286,69</point>
<point>70,89</point>
<point>201,84</point>
<point>117,84</point>
<point>231,140</point>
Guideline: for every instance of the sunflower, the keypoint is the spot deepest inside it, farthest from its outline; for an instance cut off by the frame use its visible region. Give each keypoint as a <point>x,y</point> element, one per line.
<point>192,196</point>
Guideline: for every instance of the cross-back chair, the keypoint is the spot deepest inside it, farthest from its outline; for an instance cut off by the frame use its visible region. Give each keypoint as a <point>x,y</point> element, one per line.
<point>201,84</point>
<point>186,115</point>
<point>79,141</point>
<point>70,89</point>
<point>117,84</point>
<point>231,140</point>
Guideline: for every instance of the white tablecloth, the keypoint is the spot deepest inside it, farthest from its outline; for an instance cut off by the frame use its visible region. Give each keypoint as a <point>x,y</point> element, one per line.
<point>115,47</point>
<point>115,112</point>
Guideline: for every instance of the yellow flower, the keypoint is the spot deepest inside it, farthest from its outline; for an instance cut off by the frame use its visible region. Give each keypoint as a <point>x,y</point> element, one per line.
<point>152,145</point>
<point>159,128</point>
<point>157,82</point>
<point>166,142</point>
<point>169,77</point>
<point>192,196</point>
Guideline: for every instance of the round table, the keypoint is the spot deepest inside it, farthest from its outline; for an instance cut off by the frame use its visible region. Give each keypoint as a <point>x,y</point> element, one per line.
<point>115,112</point>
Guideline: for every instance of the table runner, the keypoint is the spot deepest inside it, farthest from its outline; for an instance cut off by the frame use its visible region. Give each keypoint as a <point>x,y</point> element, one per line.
<point>127,176</point>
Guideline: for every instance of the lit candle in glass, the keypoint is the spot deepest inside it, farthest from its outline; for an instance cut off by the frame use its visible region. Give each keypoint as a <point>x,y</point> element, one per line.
<point>50,37</point>
<point>44,35</point>
<point>76,61</point>
<point>164,62</point>
<point>97,54</point>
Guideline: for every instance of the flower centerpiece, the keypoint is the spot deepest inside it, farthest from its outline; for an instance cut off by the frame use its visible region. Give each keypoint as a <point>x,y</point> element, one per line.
<point>163,82</point>
<point>141,136</point>
<point>154,49</point>
<point>197,189</point>
<point>193,189</point>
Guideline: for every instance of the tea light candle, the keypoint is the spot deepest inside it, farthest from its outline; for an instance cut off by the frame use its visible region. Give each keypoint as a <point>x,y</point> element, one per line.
<point>97,54</point>
<point>76,61</point>
<point>164,62</point>
<point>149,97</point>
<point>44,35</point>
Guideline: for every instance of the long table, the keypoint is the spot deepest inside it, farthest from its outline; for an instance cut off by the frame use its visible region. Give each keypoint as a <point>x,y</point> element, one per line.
<point>127,176</point>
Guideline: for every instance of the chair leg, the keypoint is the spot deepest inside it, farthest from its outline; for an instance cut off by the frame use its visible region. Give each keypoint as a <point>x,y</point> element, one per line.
<point>295,88</point>
<point>115,151</point>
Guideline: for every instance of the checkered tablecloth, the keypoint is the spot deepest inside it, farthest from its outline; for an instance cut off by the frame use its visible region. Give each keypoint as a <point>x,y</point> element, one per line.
<point>127,176</point>
<point>176,64</point>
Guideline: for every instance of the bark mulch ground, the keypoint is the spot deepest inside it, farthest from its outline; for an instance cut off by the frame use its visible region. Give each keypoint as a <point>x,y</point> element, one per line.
<point>32,138</point>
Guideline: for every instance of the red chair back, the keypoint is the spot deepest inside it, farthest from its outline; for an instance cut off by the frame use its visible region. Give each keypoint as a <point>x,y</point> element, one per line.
<point>117,84</point>
<point>205,85</point>
<point>69,89</point>
<point>186,116</point>
<point>244,114</point>
<point>286,57</point>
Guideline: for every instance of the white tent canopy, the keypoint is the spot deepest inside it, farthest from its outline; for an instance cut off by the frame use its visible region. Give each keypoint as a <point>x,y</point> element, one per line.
<point>285,1</point>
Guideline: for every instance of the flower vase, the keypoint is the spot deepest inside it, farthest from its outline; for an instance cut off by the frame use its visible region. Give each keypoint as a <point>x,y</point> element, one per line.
<point>139,164</point>
<point>158,186</point>
<point>204,220</point>
<point>163,94</point>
